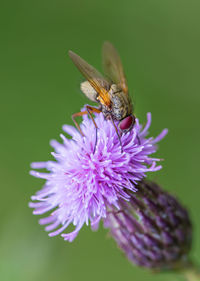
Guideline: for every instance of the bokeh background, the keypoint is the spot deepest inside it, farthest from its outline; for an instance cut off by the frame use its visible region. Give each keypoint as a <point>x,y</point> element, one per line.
<point>159,42</point>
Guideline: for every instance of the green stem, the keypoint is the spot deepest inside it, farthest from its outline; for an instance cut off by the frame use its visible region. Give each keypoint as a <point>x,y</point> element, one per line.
<point>192,273</point>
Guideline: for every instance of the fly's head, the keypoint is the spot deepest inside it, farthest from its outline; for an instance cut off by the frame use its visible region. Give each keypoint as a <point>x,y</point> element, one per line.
<point>126,124</point>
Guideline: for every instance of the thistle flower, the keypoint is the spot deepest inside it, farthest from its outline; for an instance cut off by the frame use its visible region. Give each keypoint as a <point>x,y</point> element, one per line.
<point>81,182</point>
<point>152,229</point>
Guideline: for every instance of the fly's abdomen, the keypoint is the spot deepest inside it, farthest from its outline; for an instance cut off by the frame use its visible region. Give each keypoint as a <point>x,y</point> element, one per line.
<point>121,105</point>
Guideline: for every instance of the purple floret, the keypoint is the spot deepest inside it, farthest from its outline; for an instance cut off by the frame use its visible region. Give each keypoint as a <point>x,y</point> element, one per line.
<point>80,183</point>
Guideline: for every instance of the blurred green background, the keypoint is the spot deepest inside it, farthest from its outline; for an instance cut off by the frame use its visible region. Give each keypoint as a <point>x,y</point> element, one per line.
<point>159,42</point>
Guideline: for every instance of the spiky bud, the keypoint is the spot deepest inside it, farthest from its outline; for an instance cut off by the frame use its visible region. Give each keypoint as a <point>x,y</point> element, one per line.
<point>152,229</point>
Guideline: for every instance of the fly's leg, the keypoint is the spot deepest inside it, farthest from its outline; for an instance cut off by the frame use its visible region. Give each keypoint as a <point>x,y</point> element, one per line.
<point>138,139</point>
<point>117,132</point>
<point>76,124</point>
<point>89,111</point>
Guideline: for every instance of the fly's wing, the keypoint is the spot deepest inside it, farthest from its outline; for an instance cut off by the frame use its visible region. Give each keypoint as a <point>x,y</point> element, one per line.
<point>113,66</point>
<point>96,80</point>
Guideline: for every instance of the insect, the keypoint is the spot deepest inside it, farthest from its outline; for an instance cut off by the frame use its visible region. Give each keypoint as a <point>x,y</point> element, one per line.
<point>110,93</point>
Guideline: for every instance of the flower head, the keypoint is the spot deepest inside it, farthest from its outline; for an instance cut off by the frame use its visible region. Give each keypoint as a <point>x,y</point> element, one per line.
<point>81,182</point>
<point>153,229</point>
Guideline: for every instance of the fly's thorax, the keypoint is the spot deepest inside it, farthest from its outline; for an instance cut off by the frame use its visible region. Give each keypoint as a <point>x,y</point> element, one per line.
<point>121,105</point>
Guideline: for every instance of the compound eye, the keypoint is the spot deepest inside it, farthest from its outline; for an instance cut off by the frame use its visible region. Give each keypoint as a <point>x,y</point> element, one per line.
<point>127,123</point>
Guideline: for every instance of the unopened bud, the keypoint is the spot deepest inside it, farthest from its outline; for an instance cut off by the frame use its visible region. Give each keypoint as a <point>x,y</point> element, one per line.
<point>153,229</point>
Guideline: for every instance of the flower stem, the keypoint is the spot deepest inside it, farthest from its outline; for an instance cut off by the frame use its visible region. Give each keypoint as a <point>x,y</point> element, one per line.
<point>192,273</point>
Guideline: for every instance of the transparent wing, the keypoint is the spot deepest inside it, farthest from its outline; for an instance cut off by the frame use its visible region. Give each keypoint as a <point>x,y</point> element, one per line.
<point>94,77</point>
<point>113,66</point>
